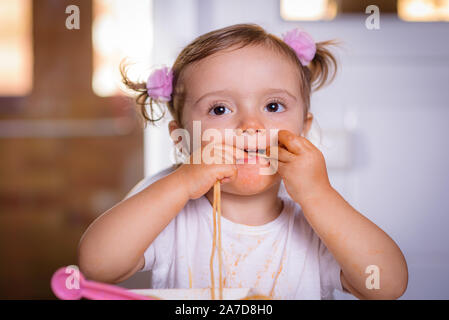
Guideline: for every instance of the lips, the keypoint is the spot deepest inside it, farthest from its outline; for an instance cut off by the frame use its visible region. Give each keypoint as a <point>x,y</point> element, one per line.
<point>253,156</point>
<point>255,152</point>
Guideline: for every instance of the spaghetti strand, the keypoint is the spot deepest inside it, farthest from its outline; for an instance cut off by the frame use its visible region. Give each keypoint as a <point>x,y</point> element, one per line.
<point>216,215</point>
<point>220,262</point>
<point>214,207</point>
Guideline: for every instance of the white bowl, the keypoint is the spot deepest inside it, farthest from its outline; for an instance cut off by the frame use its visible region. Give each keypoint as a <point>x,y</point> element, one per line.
<point>194,294</point>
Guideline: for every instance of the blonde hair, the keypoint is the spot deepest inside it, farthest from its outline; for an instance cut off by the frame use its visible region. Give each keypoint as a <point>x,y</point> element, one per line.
<point>320,71</point>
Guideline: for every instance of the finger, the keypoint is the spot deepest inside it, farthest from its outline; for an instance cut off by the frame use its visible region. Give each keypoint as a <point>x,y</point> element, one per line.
<point>281,154</point>
<point>307,143</point>
<point>229,153</point>
<point>237,153</point>
<point>281,168</point>
<point>226,173</point>
<point>292,142</point>
<point>229,178</point>
<point>217,153</point>
<point>234,152</point>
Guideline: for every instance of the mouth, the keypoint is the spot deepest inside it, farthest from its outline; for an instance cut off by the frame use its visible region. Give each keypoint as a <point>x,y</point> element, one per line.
<point>253,156</point>
<point>255,152</point>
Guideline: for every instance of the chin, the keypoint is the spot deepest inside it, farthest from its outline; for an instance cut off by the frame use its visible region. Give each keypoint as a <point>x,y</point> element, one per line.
<point>250,182</point>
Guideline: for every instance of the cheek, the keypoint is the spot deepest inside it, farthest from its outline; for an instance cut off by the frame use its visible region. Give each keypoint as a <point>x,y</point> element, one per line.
<point>294,127</point>
<point>291,120</point>
<point>218,130</point>
<point>249,174</point>
<point>250,182</point>
<point>204,132</point>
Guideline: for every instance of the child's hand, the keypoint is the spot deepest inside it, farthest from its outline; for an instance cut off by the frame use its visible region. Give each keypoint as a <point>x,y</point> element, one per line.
<point>302,166</point>
<point>200,178</point>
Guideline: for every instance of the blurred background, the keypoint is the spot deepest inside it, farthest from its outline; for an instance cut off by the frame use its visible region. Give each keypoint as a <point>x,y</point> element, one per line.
<point>72,144</point>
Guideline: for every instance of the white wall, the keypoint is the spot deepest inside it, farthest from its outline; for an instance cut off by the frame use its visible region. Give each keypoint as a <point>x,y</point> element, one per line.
<point>390,100</point>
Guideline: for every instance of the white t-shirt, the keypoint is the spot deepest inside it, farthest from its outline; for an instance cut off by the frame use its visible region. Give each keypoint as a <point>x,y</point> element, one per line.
<point>286,248</point>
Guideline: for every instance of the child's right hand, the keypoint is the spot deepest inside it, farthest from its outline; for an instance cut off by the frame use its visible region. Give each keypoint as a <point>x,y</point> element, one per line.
<point>200,178</point>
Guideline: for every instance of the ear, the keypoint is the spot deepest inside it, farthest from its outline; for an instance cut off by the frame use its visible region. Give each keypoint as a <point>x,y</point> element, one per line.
<point>307,124</point>
<point>173,125</point>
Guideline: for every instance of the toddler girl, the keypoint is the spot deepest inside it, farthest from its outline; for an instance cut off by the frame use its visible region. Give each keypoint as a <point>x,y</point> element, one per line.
<point>241,82</point>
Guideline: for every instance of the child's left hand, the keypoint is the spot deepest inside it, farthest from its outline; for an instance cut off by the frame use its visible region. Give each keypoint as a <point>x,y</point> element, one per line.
<point>302,167</point>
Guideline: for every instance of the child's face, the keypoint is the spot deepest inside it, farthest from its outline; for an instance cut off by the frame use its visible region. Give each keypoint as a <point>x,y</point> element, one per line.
<point>246,89</point>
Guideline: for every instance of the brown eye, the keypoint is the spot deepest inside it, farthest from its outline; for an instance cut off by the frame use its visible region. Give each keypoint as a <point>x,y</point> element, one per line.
<point>219,110</point>
<point>274,107</point>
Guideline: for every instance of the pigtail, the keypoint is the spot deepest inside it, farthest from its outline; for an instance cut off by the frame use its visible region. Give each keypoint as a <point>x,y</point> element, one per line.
<point>142,99</point>
<point>323,68</point>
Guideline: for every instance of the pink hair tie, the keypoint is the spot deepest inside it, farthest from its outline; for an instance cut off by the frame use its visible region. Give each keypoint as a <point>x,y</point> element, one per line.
<point>159,84</point>
<point>302,43</point>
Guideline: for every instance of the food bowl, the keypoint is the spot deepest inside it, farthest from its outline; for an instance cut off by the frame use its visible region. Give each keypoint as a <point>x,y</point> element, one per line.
<point>196,294</point>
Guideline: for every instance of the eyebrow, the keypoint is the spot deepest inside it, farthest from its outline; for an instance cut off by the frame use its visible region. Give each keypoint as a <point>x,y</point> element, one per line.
<point>227,92</point>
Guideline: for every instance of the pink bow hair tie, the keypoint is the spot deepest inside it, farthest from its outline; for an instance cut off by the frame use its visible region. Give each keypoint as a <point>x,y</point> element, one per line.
<point>302,43</point>
<point>159,84</point>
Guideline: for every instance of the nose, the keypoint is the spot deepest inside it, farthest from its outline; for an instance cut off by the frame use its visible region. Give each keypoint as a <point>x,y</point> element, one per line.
<point>251,125</point>
<point>250,132</point>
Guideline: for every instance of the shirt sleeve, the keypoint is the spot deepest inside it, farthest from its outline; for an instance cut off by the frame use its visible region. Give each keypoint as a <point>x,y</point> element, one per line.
<point>329,273</point>
<point>149,257</point>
